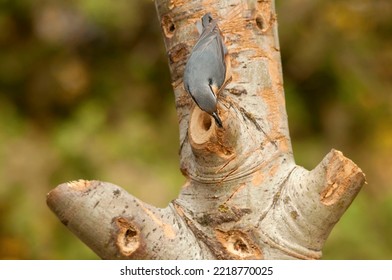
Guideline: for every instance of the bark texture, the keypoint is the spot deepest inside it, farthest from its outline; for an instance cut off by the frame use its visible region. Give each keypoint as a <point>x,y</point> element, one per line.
<point>245,198</point>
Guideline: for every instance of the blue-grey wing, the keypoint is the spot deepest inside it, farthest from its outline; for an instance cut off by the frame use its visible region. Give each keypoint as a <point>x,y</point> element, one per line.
<point>211,35</point>
<point>210,50</point>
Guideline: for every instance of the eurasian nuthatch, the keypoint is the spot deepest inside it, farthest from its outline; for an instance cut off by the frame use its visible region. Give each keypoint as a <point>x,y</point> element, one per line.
<point>205,71</point>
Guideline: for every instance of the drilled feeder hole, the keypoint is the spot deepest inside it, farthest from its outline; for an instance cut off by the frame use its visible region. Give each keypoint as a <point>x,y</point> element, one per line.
<point>206,121</point>
<point>128,237</point>
<point>200,127</point>
<point>168,26</point>
<point>260,22</point>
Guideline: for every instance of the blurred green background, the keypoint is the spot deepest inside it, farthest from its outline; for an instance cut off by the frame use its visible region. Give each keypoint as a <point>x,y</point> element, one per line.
<point>85,93</point>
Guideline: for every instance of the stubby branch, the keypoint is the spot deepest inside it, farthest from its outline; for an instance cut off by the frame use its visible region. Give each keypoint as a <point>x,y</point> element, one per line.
<point>245,198</point>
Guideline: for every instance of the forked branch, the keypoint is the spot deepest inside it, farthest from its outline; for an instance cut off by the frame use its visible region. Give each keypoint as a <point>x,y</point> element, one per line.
<point>245,198</point>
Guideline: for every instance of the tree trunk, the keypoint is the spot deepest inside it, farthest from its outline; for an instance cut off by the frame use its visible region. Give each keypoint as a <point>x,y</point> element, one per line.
<point>245,198</point>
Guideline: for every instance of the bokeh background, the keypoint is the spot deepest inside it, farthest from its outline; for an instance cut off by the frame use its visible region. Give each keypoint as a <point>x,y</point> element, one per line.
<point>85,93</point>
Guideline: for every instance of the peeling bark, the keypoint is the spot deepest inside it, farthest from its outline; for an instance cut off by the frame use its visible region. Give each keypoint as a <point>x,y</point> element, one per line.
<point>245,198</point>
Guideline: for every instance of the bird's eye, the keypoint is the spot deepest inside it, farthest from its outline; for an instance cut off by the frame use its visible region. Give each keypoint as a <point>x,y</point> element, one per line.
<point>210,81</point>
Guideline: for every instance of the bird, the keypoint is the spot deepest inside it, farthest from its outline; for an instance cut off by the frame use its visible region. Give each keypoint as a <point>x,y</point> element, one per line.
<point>207,67</point>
